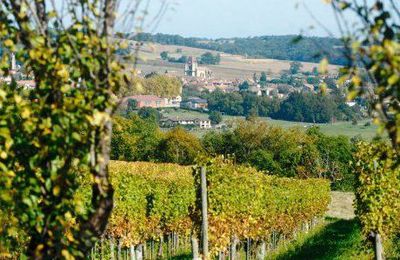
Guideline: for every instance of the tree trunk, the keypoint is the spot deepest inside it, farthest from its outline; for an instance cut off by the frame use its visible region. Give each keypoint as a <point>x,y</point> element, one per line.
<point>102,190</point>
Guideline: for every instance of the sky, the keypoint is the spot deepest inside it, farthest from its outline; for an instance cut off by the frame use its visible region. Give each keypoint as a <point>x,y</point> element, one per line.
<point>243,18</point>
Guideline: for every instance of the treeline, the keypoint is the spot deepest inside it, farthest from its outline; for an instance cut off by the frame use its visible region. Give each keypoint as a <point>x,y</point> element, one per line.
<point>307,49</point>
<point>286,153</point>
<point>206,58</point>
<point>299,106</point>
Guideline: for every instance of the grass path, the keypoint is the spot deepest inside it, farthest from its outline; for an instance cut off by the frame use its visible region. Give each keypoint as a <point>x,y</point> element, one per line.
<point>338,239</point>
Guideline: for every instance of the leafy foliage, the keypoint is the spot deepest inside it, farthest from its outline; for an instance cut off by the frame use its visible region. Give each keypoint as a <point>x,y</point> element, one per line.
<point>373,49</point>
<point>378,189</point>
<point>302,107</point>
<point>290,153</point>
<point>64,124</point>
<point>210,59</point>
<point>153,84</point>
<point>215,117</point>
<point>179,146</point>
<point>307,107</point>
<point>244,203</point>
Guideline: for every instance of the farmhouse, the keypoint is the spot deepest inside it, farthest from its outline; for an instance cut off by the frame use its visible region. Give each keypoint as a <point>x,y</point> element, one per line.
<point>194,122</point>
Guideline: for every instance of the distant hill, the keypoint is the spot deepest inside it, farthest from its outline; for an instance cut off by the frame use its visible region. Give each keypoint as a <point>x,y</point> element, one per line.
<point>290,47</point>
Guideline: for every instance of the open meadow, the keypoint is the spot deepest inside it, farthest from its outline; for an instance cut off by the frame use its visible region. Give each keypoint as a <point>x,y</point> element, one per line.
<point>362,129</point>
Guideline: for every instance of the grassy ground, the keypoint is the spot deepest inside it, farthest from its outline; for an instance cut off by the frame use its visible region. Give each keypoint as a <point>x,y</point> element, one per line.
<point>336,239</point>
<point>339,128</point>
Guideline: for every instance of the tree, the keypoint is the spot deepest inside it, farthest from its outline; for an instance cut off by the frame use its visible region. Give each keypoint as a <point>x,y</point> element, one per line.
<point>295,67</point>
<point>209,58</point>
<point>244,86</point>
<point>135,139</point>
<point>131,106</point>
<point>164,55</point>
<point>149,113</point>
<point>372,48</point>
<point>215,117</point>
<point>179,146</point>
<point>263,78</point>
<point>61,131</point>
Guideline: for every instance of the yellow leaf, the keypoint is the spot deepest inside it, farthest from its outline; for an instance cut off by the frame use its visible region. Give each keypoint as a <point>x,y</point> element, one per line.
<point>3,155</point>
<point>56,190</point>
<point>67,255</point>
<point>25,113</point>
<point>8,43</point>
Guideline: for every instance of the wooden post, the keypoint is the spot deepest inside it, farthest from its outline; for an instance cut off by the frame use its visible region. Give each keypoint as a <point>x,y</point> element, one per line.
<point>119,251</point>
<point>204,212</point>
<point>234,242</point>
<point>261,252</point>
<point>378,247</point>
<point>160,248</point>
<point>195,247</point>
<point>112,249</point>
<point>248,249</point>
<point>139,252</point>
<point>132,252</point>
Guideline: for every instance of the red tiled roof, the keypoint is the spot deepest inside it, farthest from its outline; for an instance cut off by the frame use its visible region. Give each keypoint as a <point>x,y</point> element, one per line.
<point>144,98</point>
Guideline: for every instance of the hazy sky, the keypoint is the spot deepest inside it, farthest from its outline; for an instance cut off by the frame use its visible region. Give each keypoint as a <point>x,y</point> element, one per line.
<point>242,18</point>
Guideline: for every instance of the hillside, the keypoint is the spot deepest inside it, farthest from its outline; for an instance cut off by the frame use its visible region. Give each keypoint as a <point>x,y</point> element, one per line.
<point>287,47</point>
<point>231,66</point>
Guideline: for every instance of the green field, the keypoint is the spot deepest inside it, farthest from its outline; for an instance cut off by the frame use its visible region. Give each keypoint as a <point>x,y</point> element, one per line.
<point>339,128</point>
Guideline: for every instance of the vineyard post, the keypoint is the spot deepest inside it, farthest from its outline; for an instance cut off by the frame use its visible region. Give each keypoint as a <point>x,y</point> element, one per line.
<point>119,251</point>
<point>132,252</point>
<point>204,213</point>
<point>234,242</point>
<point>195,247</point>
<point>139,252</point>
<point>112,257</point>
<point>248,249</point>
<point>378,247</point>
<point>261,252</point>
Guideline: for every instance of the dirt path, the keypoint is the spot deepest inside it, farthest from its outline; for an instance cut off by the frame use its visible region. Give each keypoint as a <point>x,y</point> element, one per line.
<point>341,205</point>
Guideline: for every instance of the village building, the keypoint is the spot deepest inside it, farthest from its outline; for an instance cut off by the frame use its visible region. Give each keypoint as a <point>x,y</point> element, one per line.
<point>185,122</point>
<point>153,101</point>
<point>192,69</point>
<point>195,103</point>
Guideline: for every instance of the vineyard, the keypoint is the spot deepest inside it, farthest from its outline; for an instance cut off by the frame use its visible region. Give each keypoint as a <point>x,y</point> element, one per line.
<point>157,210</point>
